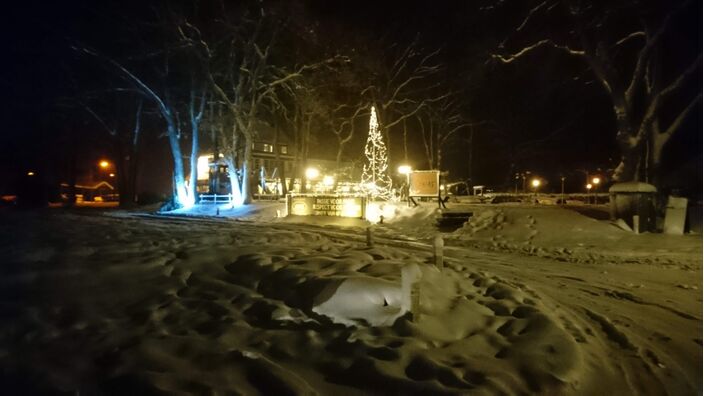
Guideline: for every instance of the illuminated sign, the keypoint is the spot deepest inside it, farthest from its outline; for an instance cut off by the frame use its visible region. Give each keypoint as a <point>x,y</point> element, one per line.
<point>424,183</point>
<point>326,205</point>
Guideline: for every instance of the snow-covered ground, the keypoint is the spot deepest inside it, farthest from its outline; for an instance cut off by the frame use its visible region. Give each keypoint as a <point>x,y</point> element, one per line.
<point>531,299</point>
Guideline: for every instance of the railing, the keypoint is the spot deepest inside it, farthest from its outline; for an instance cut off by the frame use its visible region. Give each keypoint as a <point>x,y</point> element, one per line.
<point>215,198</point>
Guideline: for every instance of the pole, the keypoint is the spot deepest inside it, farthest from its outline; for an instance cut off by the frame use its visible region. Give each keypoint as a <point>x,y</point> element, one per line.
<point>562,189</point>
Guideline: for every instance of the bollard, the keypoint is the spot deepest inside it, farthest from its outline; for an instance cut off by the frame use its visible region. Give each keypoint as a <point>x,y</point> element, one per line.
<point>636,224</point>
<point>370,241</point>
<point>278,213</point>
<point>411,276</point>
<point>437,250</point>
<point>381,219</point>
<point>217,211</point>
<point>415,302</point>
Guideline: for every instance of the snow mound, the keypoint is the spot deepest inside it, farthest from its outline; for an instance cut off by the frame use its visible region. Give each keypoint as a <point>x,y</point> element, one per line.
<point>377,301</point>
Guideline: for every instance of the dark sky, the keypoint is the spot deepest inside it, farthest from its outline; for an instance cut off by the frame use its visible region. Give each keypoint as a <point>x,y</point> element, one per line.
<point>546,114</point>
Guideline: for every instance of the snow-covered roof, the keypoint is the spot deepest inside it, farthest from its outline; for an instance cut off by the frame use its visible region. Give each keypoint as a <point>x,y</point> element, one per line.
<point>633,187</point>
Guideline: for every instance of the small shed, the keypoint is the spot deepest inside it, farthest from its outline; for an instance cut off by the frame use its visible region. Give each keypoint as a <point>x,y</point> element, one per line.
<point>634,202</point>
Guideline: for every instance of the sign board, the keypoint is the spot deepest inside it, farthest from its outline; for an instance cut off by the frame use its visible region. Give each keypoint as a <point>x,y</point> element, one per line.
<point>424,183</point>
<point>675,215</point>
<point>326,205</point>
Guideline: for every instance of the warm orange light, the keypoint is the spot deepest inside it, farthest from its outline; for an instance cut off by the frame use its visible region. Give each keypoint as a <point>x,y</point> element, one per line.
<point>103,164</point>
<point>596,180</point>
<point>589,186</point>
<point>112,175</point>
<point>30,173</point>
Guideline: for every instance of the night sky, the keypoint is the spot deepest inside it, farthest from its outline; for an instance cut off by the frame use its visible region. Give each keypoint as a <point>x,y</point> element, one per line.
<point>545,113</point>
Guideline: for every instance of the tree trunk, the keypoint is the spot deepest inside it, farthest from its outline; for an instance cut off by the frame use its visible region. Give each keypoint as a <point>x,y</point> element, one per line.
<point>246,165</point>
<point>405,143</point>
<point>235,188</point>
<point>193,186</point>
<point>182,197</point>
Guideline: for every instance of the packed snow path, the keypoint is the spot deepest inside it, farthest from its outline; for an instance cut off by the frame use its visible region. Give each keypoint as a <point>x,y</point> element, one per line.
<point>140,305</point>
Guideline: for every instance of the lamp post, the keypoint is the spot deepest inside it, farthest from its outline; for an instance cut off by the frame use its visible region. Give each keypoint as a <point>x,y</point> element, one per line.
<point>562,189</point>
<point>589,189</point>
<point>595,182</point>
<point>406,170</point>
<point>535,183</point>
<point>311,174</point>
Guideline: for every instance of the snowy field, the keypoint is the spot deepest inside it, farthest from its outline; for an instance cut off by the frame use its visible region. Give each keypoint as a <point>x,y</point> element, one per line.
<point>531,300</point>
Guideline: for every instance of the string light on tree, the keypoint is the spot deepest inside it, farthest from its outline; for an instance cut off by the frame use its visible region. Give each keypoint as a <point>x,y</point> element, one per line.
<point>375,177</point>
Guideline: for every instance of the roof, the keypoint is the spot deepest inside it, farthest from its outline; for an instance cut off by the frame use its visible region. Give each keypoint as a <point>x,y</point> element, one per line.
<point>633,187</point>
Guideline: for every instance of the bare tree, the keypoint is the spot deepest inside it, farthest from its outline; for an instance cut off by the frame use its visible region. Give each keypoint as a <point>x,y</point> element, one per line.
<point>403,83</point>
<point>247,79</point>
<point>637,92</point>
<point>439,122</point>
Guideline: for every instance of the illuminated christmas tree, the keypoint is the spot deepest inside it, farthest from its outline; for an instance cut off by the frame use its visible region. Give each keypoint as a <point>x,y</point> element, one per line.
<point>375,178</point>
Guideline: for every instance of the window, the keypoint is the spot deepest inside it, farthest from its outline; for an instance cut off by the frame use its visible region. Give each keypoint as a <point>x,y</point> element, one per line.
<point>267,148</point>
<point>283,149</point>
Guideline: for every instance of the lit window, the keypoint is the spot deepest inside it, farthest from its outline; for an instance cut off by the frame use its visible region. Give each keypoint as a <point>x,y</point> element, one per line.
<point>268,148</point>
<point>284,149</point>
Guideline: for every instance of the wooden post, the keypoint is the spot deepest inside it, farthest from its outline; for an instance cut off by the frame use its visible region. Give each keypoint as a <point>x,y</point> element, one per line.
<point>636,224</point>
<point>370,241</point>
<point>438,244</point>
<point>415,301</point>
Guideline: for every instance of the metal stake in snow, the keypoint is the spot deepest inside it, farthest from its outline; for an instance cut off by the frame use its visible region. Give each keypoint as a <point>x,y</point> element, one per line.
<point>370,241</point>
<point>438,244</point>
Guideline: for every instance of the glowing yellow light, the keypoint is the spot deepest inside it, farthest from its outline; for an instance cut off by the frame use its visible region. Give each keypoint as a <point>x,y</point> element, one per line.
<point>299,208</point>
<point>202,168</point>
<point>328,181</point>
<point>351,208</point>
<point>404,169</point>
<point>112,175</point>
<point>596,180</point>
<point>312,173</point>
<point>104,164</point>
<point>589,186</point>
<point>535,183</point>
<point>373,212</point>
<point>30,173</point>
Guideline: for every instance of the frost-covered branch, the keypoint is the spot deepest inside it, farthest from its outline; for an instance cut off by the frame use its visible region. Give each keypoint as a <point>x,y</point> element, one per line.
<point>542,43</point>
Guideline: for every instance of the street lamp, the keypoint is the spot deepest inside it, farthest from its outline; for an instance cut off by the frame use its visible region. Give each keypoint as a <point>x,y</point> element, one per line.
<point>535,183</point>
<point>103,164</point>
<point>595,182</point>
<point>562,189</point>
<point>328,181</point>
<point>312,173</point>
<point>406,170</point>
<point>589,189</point>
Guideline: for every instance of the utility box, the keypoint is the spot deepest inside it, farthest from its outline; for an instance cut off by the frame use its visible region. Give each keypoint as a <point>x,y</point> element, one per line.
<point>634,199</point>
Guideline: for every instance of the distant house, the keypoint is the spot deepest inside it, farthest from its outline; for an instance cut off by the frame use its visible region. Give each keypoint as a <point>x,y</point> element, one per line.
<point>102,191</point>
<point>270,160</point>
